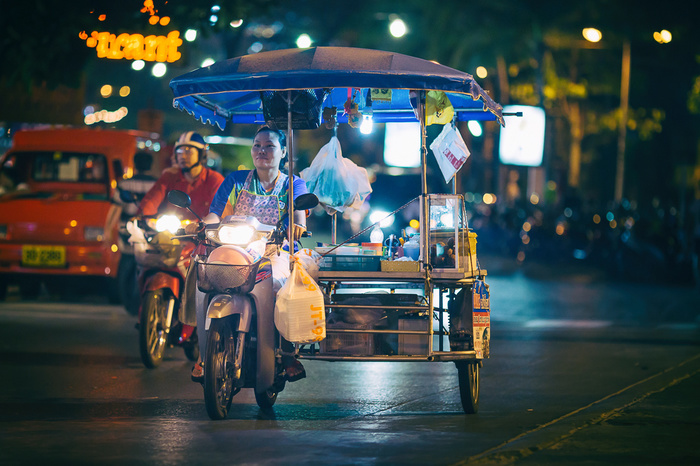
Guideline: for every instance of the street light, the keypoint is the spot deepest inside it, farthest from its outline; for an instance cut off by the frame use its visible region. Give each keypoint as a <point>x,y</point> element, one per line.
<point>397,28</point>
<point>594,35</point>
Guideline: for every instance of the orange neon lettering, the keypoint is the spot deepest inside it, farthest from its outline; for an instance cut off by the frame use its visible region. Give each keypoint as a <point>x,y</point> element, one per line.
<point>174,42</point>
<point>161,48</point>
<point>134,49</point>
<point>150,43</point>
<point>102,47</point>
<point>135,46</point>
<point>115,49</point>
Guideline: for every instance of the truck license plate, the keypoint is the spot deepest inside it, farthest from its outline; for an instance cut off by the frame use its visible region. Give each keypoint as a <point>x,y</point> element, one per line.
<point>43,256</point>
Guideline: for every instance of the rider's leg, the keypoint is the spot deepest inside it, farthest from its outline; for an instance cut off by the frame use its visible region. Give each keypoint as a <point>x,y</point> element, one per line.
<point>197,370</point>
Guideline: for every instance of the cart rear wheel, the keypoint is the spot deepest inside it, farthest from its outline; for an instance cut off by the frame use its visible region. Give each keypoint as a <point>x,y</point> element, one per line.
<point>468,374</point>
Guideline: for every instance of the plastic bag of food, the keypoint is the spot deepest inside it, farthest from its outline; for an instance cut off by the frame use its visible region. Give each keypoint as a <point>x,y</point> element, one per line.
<point>336,181</point>
<point>300,314</point>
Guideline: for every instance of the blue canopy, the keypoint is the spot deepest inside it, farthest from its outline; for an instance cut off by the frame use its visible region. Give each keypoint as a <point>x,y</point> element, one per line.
<point>231,90</point>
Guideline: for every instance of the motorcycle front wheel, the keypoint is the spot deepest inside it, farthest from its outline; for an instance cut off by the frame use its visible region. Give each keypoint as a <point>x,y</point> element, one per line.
<point>219,363</point>
<point>152,336</point>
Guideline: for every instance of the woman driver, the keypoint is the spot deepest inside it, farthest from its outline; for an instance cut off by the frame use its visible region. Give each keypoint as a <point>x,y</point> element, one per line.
<point>261,193</point>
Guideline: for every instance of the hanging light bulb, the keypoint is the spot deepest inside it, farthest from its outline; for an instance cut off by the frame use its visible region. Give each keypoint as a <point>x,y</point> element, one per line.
<point>367,123</point>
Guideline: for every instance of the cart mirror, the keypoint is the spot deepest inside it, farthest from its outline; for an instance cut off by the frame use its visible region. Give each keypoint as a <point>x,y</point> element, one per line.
<point>305,201</point>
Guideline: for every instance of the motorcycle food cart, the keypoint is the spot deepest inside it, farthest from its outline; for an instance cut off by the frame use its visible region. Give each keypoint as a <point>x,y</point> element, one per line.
<point>432,309</point>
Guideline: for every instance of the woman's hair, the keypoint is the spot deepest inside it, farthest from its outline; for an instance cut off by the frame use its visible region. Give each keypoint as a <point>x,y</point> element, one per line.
<point>282,137</point>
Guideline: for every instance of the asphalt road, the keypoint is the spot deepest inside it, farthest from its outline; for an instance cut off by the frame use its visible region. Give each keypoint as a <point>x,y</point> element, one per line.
<point>581,372</point>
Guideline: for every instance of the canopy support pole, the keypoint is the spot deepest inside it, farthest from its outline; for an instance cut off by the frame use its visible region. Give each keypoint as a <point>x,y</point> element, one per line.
<point>334,228</point>
<point>334,217</point>
<point>290,198</point>
<point>424,180</point>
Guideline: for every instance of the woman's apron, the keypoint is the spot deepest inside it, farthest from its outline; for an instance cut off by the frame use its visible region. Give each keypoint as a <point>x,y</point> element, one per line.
<point>266,208</point>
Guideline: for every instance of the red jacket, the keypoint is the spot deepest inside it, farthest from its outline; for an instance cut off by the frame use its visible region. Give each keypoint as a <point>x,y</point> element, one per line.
<point>201,191</point>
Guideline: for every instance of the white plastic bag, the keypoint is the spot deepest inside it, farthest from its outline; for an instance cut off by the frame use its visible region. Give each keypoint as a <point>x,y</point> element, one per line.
<point>300,314</point>
<point>310,260</point>
<point>450,151</point>
<point>336,181</point>
<point>280,269</point>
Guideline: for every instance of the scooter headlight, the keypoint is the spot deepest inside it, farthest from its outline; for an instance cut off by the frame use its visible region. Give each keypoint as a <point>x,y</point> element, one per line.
<point>168,222</point>
<point>236,234</point>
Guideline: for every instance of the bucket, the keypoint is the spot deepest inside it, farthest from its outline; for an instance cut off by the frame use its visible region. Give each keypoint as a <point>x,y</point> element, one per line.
<point>412,249</point>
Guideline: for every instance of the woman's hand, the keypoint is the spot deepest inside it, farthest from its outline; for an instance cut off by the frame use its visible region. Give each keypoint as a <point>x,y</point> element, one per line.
<point>298,231</point>
<point>193,228</point>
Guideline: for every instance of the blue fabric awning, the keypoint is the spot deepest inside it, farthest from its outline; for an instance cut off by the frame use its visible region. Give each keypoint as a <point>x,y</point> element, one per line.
<point>230,90</point>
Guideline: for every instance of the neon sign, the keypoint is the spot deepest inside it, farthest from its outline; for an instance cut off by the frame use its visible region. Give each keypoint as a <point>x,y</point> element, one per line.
<point>135,46</point>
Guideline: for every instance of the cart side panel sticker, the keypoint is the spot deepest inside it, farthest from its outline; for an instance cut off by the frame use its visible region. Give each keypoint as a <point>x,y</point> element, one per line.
<point>481,319</point>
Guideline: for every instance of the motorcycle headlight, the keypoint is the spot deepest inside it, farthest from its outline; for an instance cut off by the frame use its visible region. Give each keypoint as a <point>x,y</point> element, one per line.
<point>236,234</point>
<point>93,233</point>
<point>168,222</point>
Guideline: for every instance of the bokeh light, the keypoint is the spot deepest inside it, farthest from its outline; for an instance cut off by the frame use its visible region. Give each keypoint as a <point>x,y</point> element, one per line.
<point>159,70</point>
<point>481,72</point>
<point>592,34</point>
<point>475,128</point>
<point>106,91</point>
<point>303,41</point>
<point>397,28</point>
<point>138,65</point>
<point>489,198</point>
<point>663,37</point>
<point>190,35</point>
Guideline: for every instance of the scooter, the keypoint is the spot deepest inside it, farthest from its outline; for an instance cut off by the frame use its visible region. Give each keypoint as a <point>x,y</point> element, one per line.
<point>163,262</point>
<point>243,347</point>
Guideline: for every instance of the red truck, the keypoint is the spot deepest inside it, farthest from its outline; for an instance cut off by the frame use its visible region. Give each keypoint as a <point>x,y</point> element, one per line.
<point>58,217</point>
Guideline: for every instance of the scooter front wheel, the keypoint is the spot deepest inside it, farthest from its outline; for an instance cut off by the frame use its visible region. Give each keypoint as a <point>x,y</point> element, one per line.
<point>219,366</point>
<point>152,336</point>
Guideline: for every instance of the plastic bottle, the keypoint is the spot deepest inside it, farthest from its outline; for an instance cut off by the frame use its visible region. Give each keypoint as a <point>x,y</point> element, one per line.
<point>377,235</point>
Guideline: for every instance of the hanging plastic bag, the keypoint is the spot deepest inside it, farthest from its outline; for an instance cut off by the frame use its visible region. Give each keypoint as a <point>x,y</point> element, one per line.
<point>336,181</point>
<point>450,151</point>
<point>300,314</point>
<point>310,260</point>
<point>438,108</point>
